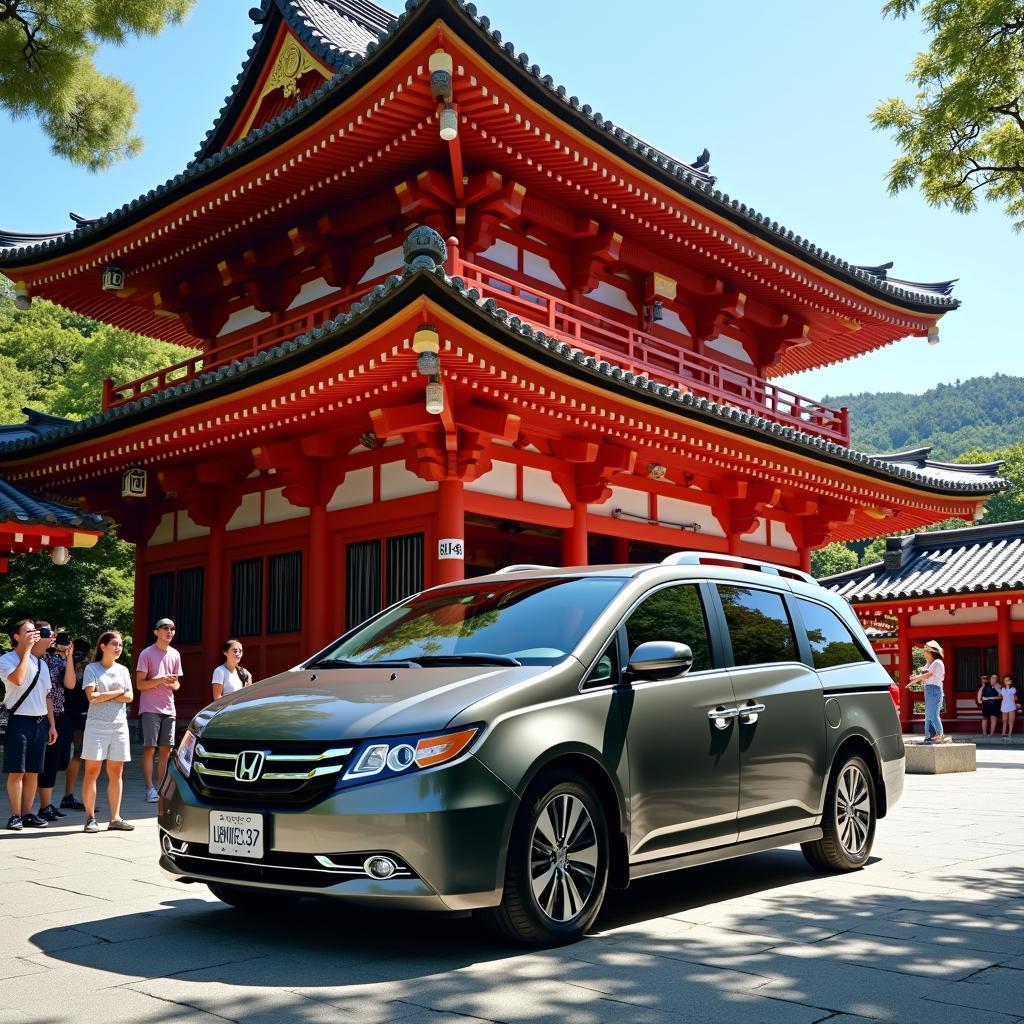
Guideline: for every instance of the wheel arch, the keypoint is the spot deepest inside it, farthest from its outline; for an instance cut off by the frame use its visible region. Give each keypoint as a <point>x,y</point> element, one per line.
<point>589,767</point>
<point>860,744</point>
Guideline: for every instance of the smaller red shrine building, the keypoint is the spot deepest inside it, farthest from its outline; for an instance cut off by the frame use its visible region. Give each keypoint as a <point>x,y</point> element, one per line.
<point>964,588</point>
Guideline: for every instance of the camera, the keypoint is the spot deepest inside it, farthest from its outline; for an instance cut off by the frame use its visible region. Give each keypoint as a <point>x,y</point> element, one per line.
<point>45,632</point>
<point>63,639</point>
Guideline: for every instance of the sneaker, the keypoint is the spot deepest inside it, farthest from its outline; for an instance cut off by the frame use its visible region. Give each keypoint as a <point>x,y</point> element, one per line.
<point>69,803</point>
<point>120,825</point>
<point>14,823</point>
<point>50,813</point>
<point>32,821</point>
<point>91,825</point>
<point>928,740</point>
<point>152,796</point>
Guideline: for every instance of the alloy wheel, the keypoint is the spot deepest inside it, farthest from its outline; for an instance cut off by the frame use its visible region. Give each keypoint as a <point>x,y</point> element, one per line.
<point>853,810</point>
<point>563,857</point>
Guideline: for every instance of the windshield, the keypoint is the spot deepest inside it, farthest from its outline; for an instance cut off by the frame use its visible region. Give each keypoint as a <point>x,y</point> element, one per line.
<point>526,622</point>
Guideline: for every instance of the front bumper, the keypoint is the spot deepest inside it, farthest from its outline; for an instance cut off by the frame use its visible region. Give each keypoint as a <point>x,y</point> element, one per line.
<point>449,825</point>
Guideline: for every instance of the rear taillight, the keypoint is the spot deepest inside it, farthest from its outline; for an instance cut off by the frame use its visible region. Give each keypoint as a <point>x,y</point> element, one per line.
<point>894,692</point>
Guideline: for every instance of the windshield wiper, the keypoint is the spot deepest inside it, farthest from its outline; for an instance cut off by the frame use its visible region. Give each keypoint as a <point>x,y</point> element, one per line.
<point>471,659</point>
<point>345,663</point>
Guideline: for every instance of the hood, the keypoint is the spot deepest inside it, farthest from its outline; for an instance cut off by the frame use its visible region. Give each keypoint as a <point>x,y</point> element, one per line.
<point>356,703</point>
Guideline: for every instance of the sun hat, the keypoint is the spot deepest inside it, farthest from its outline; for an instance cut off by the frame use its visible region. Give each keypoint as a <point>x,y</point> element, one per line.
<point>163,622</point>
<point>935,646</point>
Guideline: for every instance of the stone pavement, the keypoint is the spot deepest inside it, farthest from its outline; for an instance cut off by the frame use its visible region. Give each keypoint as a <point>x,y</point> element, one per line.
<point>931,931</point>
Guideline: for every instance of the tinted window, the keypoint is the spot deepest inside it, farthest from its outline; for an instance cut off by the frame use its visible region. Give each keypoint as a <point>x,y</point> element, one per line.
<point>675,613</point>
<point>247,597</point>
<point>759,626</point>
<point>189,619</point>
<point>284,583</point>
<point>831,641</point>
<point>537,622</point>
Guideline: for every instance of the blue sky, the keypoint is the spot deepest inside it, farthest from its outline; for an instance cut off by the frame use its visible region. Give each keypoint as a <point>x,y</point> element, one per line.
<point>778,92</point>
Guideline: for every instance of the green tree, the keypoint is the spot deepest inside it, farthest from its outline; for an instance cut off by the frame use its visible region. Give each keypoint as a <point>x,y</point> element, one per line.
<point>833,558</point>
<point>47,71</point>
<point>1006,506</point>
<point>55,360</point>
<point>963,135</point>
<point>93,592</point>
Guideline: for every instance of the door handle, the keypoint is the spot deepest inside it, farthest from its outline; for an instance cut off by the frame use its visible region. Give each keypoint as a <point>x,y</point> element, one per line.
<point>721,715</point>
<point>749,712</point>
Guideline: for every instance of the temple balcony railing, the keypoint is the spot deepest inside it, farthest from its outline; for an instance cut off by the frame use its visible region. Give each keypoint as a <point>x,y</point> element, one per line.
<point>633,349</point>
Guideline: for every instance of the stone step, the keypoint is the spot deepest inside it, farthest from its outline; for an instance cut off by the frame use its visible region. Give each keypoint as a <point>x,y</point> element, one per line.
<point>941,758</point>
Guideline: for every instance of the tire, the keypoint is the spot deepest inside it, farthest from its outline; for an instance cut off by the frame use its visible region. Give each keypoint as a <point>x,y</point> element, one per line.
<point>851,812</point>
<point>554,882</point>
<point>253,900</point>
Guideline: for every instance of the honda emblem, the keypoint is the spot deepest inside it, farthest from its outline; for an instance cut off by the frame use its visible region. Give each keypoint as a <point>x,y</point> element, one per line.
<point>248,765</point>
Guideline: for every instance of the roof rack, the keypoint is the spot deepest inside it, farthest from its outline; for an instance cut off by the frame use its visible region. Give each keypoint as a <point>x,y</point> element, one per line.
<point>712,558</point>
<point>523,567</point>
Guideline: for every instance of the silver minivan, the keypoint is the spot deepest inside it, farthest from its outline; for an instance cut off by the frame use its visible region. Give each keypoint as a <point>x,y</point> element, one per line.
<point>516,744</point>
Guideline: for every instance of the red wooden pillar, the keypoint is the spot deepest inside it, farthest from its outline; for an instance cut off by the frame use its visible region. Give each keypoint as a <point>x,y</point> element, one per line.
<point>450,532</point>
<point>574,536</point>
<point>319,597</point>
<point>620,547</point>
<point>142,628</point>
<point>905,662</point>
<point>1005,643</point>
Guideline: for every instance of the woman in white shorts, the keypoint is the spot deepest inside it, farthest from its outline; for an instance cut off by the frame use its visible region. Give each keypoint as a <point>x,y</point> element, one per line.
<point>108,689</point>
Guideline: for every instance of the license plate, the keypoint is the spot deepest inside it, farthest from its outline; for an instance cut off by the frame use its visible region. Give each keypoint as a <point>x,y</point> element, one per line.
<point>236,834</point>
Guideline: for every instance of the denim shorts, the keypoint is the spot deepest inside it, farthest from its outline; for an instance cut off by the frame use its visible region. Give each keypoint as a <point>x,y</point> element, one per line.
<point>25,743</point>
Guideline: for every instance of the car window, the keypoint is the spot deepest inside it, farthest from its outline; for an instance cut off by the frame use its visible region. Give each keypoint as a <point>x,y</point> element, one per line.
<point>759,625</point>
<point>606,670</point>
<point>673,613</point>
<point>830,638</point>
<point>535,621</point>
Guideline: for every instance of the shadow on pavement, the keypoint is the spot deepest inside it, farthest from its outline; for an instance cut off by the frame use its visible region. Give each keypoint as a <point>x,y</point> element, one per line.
<point>756,939</point>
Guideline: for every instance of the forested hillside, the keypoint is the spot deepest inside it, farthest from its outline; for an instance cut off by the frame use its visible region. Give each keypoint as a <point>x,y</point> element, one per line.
<point>984,413</point>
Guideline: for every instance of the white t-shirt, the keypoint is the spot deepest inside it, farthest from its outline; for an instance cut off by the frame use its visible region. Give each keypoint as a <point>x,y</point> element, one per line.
<point>938,673</point>
<point>103,680</point>
<point>35,703</point>
<point>229,680</point>
<point>1009,695</point>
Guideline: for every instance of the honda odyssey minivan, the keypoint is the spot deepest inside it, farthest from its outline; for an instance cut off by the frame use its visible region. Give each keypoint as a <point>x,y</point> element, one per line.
<point>516,744</point>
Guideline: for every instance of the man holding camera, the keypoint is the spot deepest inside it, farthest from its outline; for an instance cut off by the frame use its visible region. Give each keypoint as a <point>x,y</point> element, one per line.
<point>55,653</point>
<point>31,727</point>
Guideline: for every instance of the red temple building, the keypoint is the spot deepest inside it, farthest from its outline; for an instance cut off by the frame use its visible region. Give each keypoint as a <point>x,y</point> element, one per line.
<point>963,588</point>
<point>447,317</point>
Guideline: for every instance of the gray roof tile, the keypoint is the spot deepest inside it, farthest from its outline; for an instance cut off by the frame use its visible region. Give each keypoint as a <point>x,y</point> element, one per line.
<point>18,507</point>
<point>974,560</point>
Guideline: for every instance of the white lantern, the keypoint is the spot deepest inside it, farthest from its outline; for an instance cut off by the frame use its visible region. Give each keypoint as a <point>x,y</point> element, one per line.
<point>60,556</point>
<point>435,398</point>
<point>449,125</point>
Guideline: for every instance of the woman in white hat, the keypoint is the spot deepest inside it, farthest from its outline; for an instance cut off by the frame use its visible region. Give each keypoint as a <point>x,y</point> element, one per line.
<point>933,676</point>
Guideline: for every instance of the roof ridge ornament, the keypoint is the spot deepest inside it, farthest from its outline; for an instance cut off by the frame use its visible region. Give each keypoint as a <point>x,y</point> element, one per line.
<point>424,249</point>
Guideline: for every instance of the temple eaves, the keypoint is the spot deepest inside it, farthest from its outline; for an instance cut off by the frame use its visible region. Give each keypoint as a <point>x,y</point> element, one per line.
<point>318,18</point>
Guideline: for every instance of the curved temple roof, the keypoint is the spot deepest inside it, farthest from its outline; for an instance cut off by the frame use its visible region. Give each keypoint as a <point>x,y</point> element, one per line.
<point>19,508</point>
<point>334,29</point>
<point>909,468</point>
<point>974,560</point>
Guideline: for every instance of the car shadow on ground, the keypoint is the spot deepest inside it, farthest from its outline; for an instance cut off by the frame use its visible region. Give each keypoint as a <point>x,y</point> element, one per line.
<point>736,940</point>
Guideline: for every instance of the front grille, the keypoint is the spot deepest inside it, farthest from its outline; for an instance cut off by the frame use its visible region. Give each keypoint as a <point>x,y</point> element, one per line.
<point>290,773</point>
<point>313,871</point>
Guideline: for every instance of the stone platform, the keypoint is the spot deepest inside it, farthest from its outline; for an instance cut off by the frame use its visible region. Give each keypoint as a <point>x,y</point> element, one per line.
<point>941,758</point>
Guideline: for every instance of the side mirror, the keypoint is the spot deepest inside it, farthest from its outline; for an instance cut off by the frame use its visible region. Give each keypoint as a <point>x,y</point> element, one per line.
<point>660,659</point>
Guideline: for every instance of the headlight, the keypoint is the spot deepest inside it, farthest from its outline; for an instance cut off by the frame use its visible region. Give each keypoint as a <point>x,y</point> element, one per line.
<point>186,751</point>
<point>395,757</point>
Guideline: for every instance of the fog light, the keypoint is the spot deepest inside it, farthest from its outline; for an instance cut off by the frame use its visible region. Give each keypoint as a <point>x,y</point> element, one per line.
<point>165,842</point>
<point>380,867</point>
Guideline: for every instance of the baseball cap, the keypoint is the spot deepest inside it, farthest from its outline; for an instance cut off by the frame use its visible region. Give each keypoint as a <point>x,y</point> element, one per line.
<point>163,622</point>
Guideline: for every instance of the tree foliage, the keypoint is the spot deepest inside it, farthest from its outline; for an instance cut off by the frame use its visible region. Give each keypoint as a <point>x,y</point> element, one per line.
<point>54,361</point>
<point>93,592</point>
<point>47,71</point>
<point>833,558</point>
<point>981,414</point>
<point>963,135</point>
